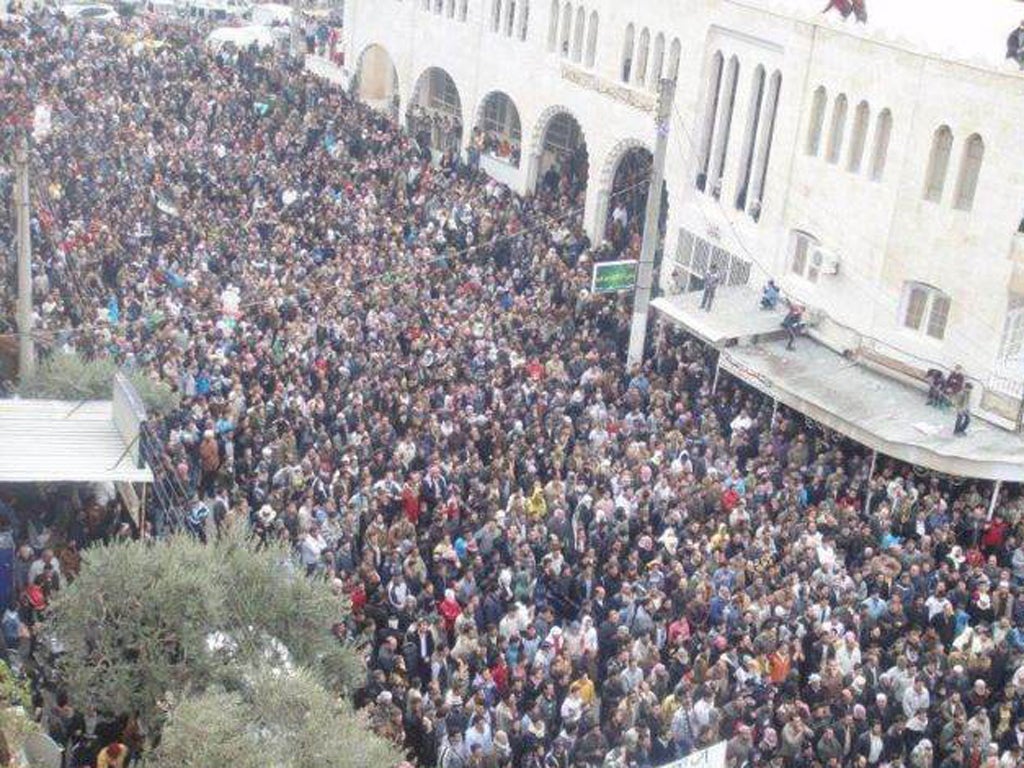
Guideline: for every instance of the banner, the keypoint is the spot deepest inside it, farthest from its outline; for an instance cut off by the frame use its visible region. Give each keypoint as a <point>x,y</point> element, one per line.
<point>712,757</point>
<point>614,276</point>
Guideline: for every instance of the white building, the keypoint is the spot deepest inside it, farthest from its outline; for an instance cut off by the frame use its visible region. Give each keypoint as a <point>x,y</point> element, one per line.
<point>875,170</point>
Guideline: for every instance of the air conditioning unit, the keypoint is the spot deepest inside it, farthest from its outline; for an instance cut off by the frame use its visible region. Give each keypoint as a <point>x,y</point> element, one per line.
<point>825,262</point>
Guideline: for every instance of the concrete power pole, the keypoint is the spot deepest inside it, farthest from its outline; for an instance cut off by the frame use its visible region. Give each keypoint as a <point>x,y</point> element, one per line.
<point>645,269</point>
<point>26,347</point>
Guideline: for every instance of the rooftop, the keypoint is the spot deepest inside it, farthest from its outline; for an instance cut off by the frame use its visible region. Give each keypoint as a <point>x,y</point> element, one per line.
<point>60,441</point>
<point>875,410</point>
<point>972,31</point>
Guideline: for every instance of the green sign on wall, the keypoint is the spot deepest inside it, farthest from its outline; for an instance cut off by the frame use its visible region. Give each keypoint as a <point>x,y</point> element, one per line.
<point>614,276</point>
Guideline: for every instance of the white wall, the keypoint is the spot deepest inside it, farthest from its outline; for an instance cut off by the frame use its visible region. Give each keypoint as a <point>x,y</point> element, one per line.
<point>883,231</point>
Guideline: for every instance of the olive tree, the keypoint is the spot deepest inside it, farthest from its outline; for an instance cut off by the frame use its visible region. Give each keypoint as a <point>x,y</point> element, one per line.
<point>268,717</point>
<point>144,624</point>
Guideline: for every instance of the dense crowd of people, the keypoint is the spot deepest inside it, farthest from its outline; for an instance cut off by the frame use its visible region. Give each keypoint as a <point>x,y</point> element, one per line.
<point>553,559</point>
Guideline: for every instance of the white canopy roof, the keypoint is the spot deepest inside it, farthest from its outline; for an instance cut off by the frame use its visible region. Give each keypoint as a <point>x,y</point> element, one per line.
<point>965,30</point>
<point>272,13</point>
<point>61,441</point>
<point>242,37</point>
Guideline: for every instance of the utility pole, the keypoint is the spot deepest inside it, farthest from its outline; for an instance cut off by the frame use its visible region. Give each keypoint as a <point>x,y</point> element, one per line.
<point>296,30</point>
<point>26,347</point>
<point>645,269</point>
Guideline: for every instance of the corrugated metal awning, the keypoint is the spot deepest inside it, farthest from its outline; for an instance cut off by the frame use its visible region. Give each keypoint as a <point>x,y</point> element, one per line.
<point>61,441</point>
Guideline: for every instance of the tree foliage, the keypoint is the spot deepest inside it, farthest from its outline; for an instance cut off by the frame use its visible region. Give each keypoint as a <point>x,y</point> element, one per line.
<point>68,376</point>
<point>143,623</point>
<point>265,717</point>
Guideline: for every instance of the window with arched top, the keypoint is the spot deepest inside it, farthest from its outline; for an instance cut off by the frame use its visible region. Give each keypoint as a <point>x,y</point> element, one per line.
<point>642,53</point>
<point>817,122</point>
<point>970,168</point>
<point>524,18</point>
<point>510,17</point>
<point>673,59</point>
<point>578,33</point>
<point>714,87</point>
<point>657,61</point>
<point>837,129</point>
<point>627,53</point>
<point>925,309</point>
<point>938,164</point>
<point>755,199</point>
<point>566,34</point>
<point>496,15</point>
<point>724,127</point>
<point>553,27</point>
<point>592,39</point>
<point>750,138</point>
<point>859,137</point>
<point>880,151</point>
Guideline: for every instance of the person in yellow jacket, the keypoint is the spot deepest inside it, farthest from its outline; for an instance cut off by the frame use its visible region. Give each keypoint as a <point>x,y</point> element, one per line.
<point>537,506</point>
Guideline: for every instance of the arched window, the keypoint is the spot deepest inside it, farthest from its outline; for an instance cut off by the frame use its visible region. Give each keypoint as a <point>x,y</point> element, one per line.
<point>627,53</point>
<point>592,39</point>
<point>524,18</point>
<point>642,52</point>
<point>925,309</point>
<point>728,100</point>
<point>764,152</point>
<point>859,137</point>
<point>749,138</point>
<point>565,36</point>
<point>510,18</point>
<point>710,117</point>
<point>837,129</point>
<point>673,59</point>
<point>883,130</point>
<point>817,120</point>
<point>495,15</point>
<point>657,61</point>
<point>578,33</point>
<point>553,27</point>
<point>938,164</point>
<point>970,167</point>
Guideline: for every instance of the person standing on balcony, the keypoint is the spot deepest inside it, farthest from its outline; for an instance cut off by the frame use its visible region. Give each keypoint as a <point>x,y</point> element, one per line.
<point>711,280</point>
<point>962,403</point>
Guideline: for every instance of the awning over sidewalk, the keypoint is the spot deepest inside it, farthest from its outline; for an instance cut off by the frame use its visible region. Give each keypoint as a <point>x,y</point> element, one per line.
<point>58,441</point>
<point>875,410</point>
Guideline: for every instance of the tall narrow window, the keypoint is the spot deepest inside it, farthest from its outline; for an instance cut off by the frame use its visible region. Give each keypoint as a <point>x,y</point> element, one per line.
<point>859,137</point>
<point>764,150</point>
<point>553,27</point>
<point>970,167</point>
<point>837,129</point>
<point>673,59</point>
<point>463,9</point>
<point>728,101</point>
<point>449,9</point>
<point>524,18</point>
<point>657,61</point>
<point>802,262</point>
<point>627,53</point>
<point>577,35</point>
<point>750,138</point>
<point>880,152</point>
<point>495,15</point>
<point>710,118</point>
<point>925,309</point>
<point>592,39</point>
<point>642,52</point>
<point>563,42</point>
<point>938,164</point>
<point>510,18</point>
<point>817,120</point>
